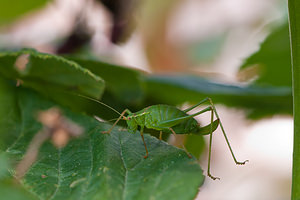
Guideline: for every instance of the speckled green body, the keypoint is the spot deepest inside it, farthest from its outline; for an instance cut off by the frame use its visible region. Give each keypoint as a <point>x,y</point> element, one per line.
<point>161,117</point>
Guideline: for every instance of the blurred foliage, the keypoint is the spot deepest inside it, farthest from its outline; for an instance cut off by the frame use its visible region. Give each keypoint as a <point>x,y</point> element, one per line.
<point>257,101</point>
<point>77,39</point>
<point>162,54</point>
<point>12,191</point>
<point>136,90</point>
<point>205,51</point>
<point>123,18</point>
<point>195,145</point>
<point>11,10</point>
<point>273,59</point>
<point>124,83</point>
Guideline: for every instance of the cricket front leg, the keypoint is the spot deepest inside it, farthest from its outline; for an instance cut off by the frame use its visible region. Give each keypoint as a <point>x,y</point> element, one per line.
<point>142,135</point>
<point>160,135</point>
<point>121,116</point>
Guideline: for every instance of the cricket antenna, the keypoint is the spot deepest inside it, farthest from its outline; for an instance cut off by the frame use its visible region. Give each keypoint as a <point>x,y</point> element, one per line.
<point>95,100</point>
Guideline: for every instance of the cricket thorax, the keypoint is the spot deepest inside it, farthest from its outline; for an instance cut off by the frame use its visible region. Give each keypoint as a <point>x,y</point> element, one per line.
<point>132,125</point>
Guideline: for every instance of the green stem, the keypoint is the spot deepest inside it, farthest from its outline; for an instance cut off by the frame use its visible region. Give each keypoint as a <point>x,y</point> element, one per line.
<point>294,21</point>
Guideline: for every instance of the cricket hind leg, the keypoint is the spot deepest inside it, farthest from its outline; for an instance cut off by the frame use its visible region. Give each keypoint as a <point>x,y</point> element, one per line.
<point>210,145</point>
<point>224,133</point>
<point>214,112</point>
<point>210,108</point>
<point>188,154</point>
<point>213,108</point>
<point>194,106</point>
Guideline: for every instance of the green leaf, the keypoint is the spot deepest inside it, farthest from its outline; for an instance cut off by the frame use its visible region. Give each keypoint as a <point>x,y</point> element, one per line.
<point>258,101</point>
<point>9,114</point>
<point>195,145</point>
<point>10,189</point>
<point>45,70</point>
<point>101,166</point>
<point>53,76</point>
<point>273,59</point>
<point>9,11</point>
<point>294,17</point>
<point>4,165</point>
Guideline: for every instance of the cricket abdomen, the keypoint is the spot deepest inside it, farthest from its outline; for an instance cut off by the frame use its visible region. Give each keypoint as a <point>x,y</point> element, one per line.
<point>156,115</point>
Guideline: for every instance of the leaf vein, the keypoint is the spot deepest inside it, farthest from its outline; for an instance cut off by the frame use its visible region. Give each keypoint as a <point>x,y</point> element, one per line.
<point>91,168</point>
<point>58,175</point>
<point>126,169</point>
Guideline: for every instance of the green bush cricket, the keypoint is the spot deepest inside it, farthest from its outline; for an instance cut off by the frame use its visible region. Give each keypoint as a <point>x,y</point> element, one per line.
<point>169,119</point>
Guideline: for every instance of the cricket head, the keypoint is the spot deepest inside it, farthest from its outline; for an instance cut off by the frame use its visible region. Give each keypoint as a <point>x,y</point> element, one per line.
<point>131,123</point>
